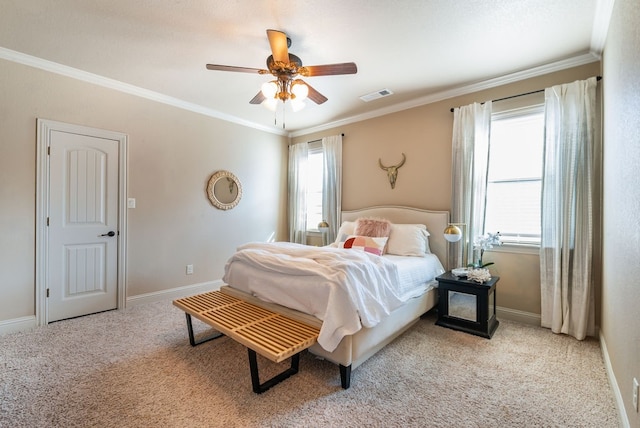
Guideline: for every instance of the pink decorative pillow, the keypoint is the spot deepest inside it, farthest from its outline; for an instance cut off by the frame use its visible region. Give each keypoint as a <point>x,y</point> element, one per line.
<point>366,244</point>
<point>375,227</point>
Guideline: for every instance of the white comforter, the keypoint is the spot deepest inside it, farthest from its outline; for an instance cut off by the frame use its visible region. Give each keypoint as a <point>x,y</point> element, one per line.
<point>355,288</point>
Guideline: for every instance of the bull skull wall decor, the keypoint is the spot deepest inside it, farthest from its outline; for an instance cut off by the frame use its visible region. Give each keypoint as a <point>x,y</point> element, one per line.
<point>392,171</point>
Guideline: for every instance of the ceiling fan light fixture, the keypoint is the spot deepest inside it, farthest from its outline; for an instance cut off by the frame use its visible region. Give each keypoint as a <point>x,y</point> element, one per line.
<point>297,105</point>
<point>269,89</point>
<point>299,89</point>
<point>270,104</point>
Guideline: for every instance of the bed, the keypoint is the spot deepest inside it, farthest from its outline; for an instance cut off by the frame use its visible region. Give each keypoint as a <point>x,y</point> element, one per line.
<point>353,344</point>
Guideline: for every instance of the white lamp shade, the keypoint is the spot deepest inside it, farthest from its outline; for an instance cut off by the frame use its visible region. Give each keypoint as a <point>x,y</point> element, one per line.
<point>299,89</point>
<point>297,105</point>
<point>270,103</point>
<point>269,89</point>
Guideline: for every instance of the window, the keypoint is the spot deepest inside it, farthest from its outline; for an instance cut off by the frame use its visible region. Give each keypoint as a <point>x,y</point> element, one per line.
<point>315,180</point>
<point>514,180</point>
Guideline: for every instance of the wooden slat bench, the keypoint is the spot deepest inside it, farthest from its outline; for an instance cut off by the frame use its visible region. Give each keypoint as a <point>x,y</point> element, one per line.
<point>271,335</point>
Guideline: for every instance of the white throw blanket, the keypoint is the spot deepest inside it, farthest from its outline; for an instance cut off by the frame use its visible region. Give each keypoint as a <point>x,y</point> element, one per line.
<point>355,288</point>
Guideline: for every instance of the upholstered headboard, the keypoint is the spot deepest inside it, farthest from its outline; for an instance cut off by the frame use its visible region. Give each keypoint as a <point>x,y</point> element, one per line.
<point>436,222</point>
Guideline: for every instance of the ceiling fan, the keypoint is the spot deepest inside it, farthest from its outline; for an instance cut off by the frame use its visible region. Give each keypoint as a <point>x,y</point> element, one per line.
<point>286,67</point>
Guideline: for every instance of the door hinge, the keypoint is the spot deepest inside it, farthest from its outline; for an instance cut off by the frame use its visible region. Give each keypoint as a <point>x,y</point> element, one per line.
<point>47,292</point>
<point>47,221</point>
<point>48,150</point>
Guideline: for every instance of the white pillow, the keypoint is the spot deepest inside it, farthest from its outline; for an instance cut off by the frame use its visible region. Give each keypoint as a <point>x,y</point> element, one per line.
<point>408,240</point>
<point>346,229</point>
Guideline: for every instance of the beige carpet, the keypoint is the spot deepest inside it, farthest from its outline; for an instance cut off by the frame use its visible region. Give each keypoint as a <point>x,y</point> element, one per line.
<point>135,368</point>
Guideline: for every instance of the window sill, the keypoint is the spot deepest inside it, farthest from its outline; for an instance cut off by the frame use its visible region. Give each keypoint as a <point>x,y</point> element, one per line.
<point>516,249</point>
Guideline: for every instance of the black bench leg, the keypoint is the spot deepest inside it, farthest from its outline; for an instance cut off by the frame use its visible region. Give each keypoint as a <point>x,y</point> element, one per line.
<point>192,340</point>
<point>345,376</point>
<point>259,388</point>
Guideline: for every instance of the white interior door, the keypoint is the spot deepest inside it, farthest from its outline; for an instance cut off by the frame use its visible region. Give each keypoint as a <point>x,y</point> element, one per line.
<point>82,274</point>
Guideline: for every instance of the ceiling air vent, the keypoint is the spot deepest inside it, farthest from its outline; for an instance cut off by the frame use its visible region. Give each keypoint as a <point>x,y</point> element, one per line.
<point>375,95</point>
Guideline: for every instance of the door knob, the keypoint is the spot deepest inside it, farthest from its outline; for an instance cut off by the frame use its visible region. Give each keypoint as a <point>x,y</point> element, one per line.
<point>110,233</point>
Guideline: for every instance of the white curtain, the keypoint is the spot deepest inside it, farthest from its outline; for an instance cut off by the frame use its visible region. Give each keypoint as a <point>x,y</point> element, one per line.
<point>297,178</point>
<point>469,167</point>
<point>566,247</point>
<point>332,186</point>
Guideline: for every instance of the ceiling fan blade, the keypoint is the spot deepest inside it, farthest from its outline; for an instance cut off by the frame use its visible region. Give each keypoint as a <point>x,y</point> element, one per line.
<point>278,42</point>
<point>233,68</point>
<point>329,69</point>
<point>314,95</point>
<point>258,99</point>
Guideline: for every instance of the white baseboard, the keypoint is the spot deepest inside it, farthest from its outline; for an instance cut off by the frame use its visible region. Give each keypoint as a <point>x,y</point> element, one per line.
<point>18,324</point>
<point>174,293</point>
<point>617,395</point>
<point>29,322</point>
<point>518,316</point>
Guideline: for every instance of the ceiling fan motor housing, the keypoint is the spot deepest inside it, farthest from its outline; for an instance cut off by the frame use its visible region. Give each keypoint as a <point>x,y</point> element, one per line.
<point>279,67</point>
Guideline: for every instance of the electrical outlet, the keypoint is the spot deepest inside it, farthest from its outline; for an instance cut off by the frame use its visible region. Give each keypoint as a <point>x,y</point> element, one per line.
<point>635,394</point>
<point>189,269</point>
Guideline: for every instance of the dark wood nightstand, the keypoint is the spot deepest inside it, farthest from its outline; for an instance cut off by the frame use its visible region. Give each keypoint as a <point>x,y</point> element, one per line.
<point>467,305</point>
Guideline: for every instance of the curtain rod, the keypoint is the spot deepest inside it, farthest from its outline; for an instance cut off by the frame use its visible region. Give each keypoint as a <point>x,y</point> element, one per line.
<point>320,139</point>
<point>315,141</point>
<point>598,78</point>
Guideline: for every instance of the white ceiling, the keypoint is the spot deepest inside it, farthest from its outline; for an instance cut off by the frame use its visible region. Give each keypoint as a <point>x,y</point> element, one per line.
<point>419,49</point>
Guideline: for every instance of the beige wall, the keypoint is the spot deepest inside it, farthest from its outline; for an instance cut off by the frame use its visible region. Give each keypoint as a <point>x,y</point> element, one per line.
<point>172,153</point>
<point>620,326</point>
<point>424,134</point>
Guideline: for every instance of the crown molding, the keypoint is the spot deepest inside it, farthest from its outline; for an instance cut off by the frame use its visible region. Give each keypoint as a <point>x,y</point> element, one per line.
<point>74,73</point>
<point>586,58</point>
